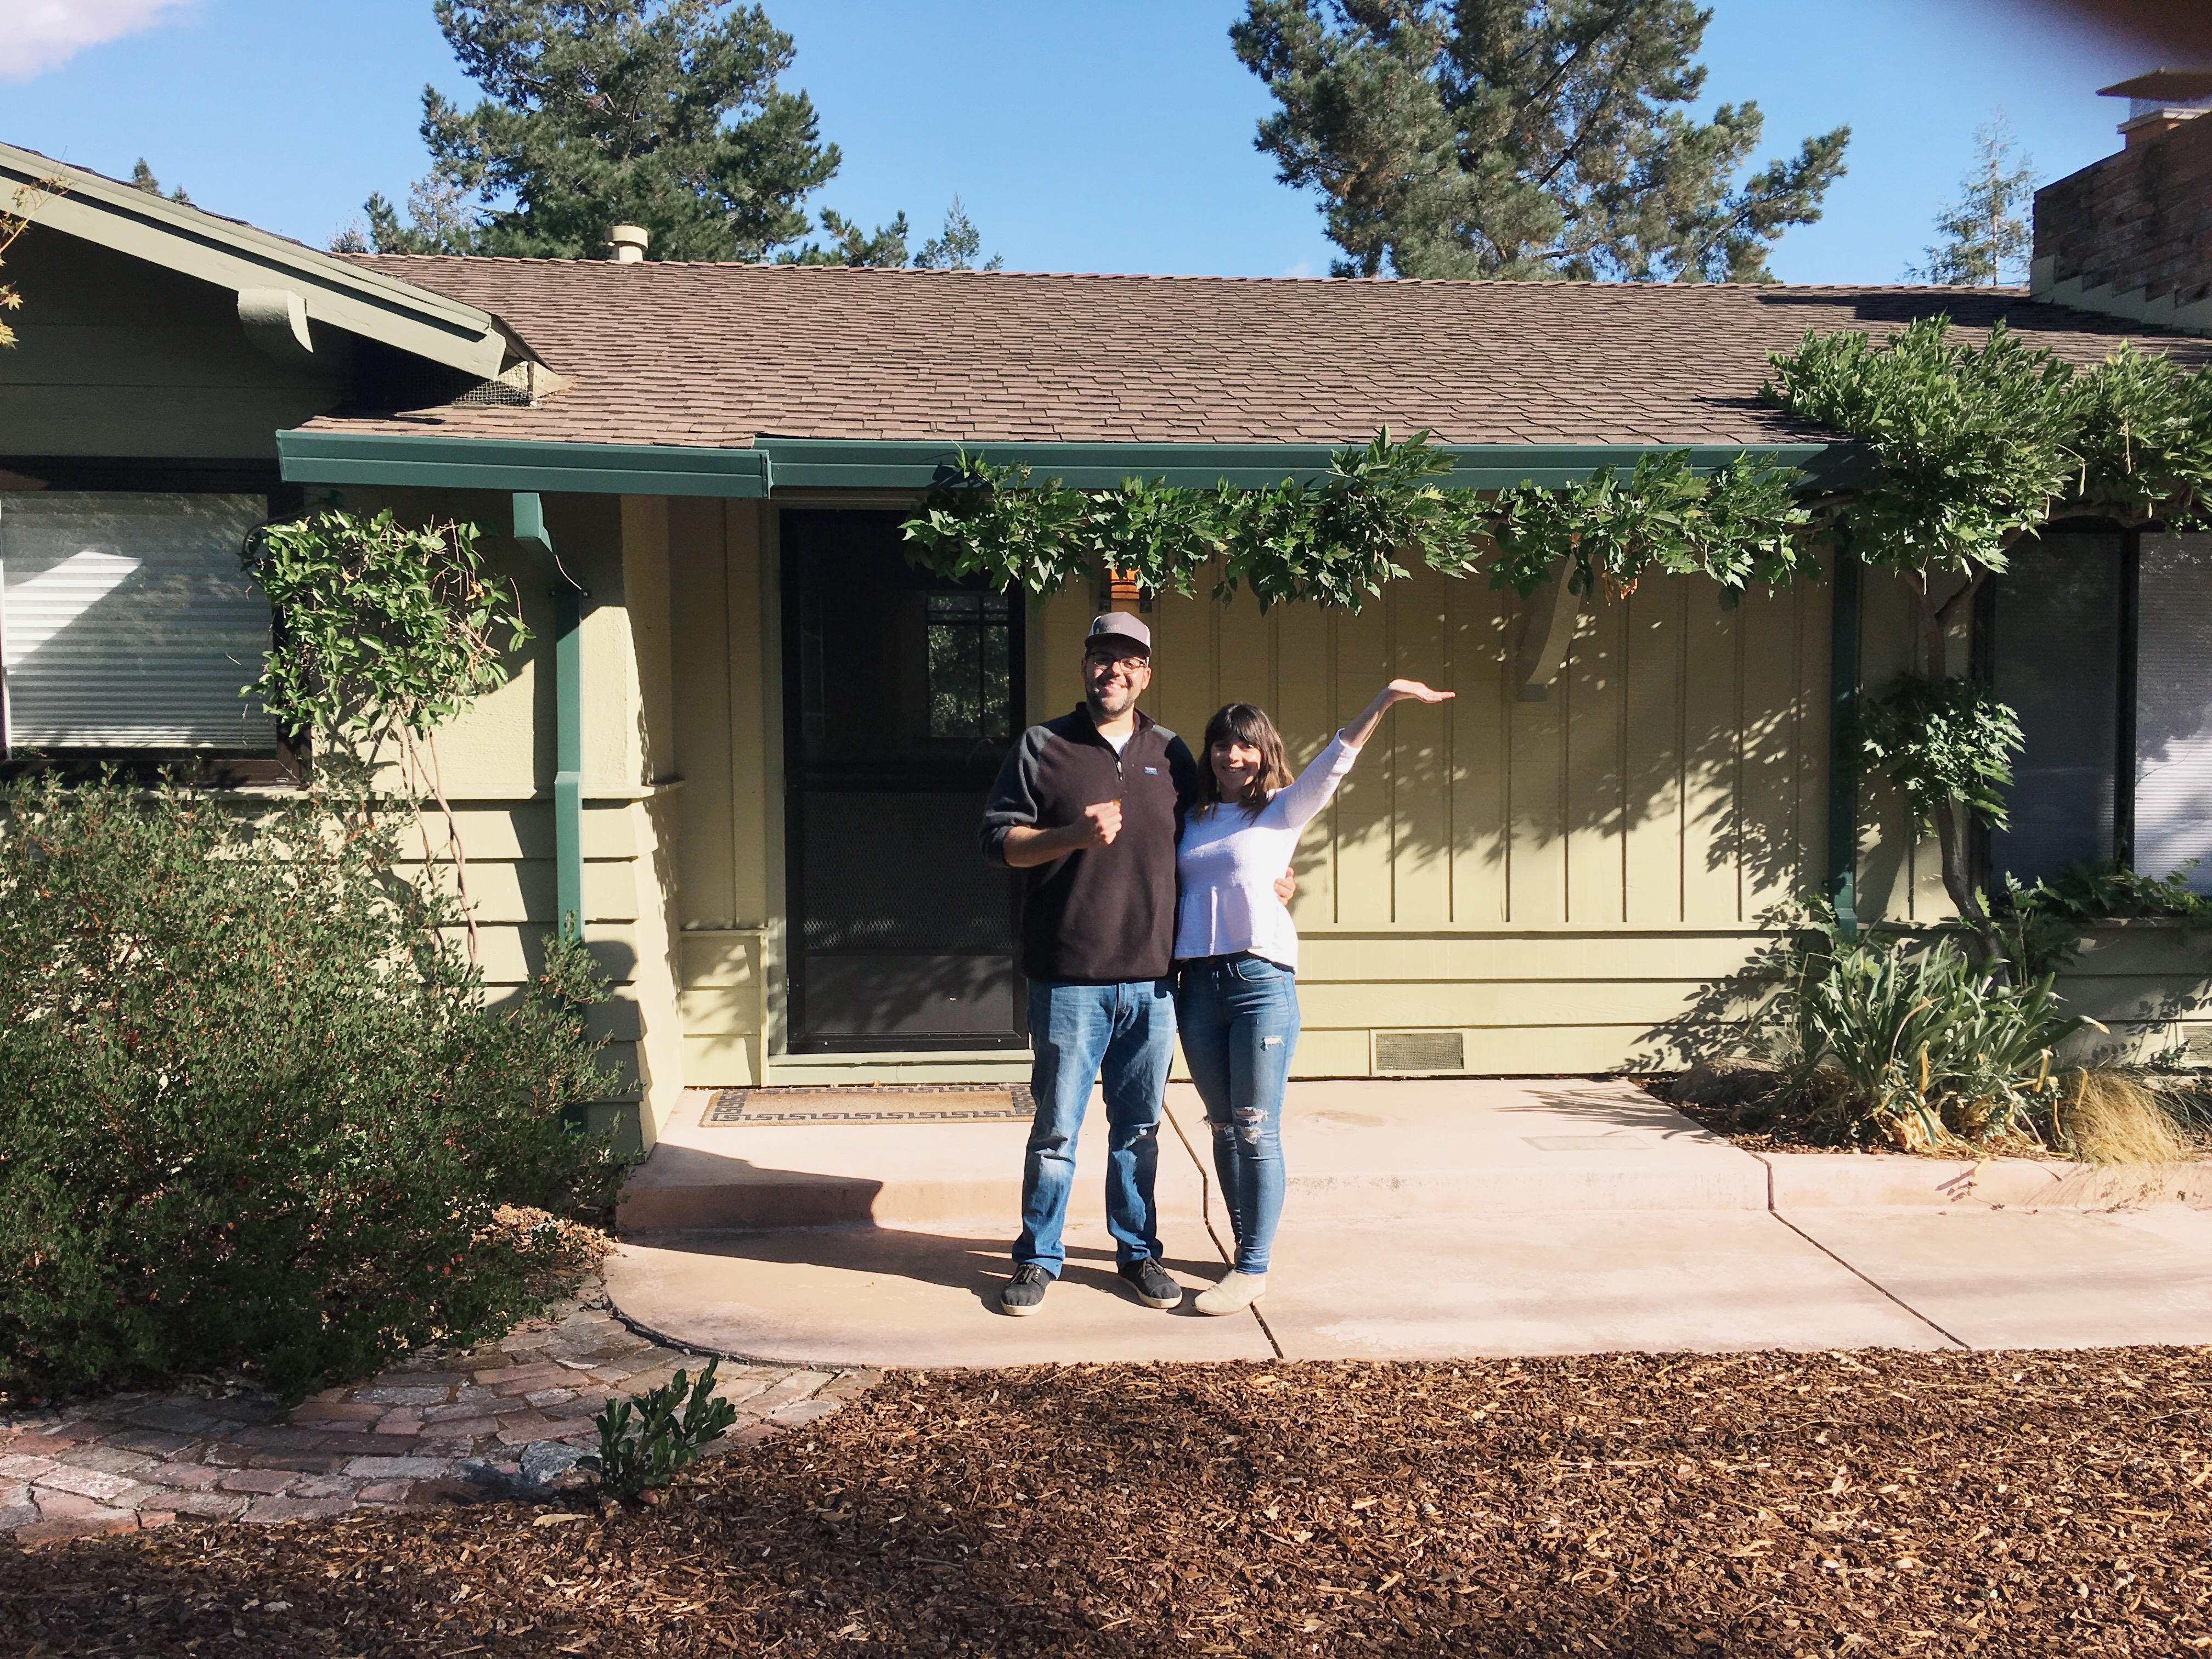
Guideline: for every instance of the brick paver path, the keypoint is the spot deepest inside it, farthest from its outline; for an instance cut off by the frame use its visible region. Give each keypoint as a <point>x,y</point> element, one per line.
<point>442,1426</point>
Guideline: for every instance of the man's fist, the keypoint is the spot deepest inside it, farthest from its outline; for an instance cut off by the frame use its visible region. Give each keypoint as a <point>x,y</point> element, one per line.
<point>1099,824</point>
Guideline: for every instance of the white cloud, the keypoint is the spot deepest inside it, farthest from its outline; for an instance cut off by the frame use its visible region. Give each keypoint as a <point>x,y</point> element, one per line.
<point>43,34</point>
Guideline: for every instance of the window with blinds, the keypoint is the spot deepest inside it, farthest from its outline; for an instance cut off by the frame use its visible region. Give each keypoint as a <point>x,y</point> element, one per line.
<point>126,623</point>
<point>2056,658</point>
<point>2174,708</point>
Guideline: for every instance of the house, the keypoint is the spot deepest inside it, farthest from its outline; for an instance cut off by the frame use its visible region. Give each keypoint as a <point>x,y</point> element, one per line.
<point>748,744</point>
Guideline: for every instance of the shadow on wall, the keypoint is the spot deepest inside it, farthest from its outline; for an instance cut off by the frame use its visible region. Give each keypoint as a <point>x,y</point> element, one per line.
<point>1670,717</point>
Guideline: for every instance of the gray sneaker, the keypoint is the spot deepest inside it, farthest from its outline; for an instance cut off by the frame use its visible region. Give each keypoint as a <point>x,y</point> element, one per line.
<point>1151,1282</point>
<point>1025,1292</point>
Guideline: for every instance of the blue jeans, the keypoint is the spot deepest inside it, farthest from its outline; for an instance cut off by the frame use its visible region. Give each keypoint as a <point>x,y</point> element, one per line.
<point>1239,1017</point>
<point>1128,1029</point>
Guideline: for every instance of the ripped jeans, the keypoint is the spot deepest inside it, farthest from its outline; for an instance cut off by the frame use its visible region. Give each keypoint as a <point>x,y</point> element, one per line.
<point>1238,1019</point>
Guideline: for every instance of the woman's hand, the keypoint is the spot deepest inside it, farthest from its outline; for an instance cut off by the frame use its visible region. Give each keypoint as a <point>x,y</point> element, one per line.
<point>1414,691</point>
<point>1360,730</point>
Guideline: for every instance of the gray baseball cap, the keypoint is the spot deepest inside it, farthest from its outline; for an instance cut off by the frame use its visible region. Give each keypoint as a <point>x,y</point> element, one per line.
<point>1121,626</point>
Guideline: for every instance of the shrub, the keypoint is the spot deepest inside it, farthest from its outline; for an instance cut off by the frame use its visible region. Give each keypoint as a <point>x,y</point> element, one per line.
<point>254,1107</point>
<point>628,1463</point>
<point>1906,1040</point>
<point>2040,923</point>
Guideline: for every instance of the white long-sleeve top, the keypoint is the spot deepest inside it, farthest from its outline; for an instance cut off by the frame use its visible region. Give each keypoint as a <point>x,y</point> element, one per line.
<point>1227,863</point>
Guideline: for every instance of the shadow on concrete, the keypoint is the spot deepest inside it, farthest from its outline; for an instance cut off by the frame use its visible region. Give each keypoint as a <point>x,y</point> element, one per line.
<point>1617,1105</point>
<point>978,1264</point>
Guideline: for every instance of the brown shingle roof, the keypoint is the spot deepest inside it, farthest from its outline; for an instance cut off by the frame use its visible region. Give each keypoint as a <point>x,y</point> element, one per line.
<point>714,355</point>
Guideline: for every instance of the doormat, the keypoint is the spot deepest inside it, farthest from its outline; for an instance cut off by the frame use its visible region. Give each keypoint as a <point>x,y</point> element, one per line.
<point>864,1102</point>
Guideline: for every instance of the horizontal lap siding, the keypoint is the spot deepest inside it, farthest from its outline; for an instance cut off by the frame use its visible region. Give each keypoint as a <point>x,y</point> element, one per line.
<point>507,850</point>
<point>1566,882</point>
<point>2150,983</point>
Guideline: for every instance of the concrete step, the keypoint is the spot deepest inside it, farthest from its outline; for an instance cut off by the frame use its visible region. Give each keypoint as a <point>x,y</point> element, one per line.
<point>1375,1150</point>
<point>1361,1150</point>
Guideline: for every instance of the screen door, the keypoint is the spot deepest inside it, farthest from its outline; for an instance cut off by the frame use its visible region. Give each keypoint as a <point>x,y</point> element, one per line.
<point>901,694</point>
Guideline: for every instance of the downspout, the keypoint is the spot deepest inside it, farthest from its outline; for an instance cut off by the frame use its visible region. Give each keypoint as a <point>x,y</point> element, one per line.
<point>567,720</point>
<point>1842,747</point>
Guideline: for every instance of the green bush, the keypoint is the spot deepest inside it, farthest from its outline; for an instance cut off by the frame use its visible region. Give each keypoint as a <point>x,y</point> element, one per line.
<point>1904,1040</point>
<point>631,1460</point>
<point>255,1107</point>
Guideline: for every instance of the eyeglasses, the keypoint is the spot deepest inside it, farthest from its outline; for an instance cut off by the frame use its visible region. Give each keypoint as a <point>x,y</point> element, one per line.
<point>1100,659</point>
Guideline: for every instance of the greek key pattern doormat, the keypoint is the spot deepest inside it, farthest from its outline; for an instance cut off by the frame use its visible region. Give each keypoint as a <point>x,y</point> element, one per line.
<point>866,1103</point>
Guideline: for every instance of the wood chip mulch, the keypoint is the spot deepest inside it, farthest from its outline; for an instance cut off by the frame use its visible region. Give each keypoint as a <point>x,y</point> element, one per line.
<point>1885,1503</point>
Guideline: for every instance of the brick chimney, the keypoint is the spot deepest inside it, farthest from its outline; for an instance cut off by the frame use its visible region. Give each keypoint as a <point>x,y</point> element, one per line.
<point>2132,235</point>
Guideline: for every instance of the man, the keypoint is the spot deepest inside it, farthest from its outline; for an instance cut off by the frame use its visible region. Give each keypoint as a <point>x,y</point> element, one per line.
<point>1090,806</point>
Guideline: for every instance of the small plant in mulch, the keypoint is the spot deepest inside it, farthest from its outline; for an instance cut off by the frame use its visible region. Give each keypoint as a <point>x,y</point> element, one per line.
<point>631,1462</point>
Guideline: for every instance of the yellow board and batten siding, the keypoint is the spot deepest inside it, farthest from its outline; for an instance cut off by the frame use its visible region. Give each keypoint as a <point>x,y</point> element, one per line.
<point>1559,883</point>
<point>1556,882</point>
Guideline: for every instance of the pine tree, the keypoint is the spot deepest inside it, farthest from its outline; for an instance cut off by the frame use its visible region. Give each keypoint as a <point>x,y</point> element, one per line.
<point>142,177</point>
<point>849,245</point>
<point>957,247</point>
<point>1989,233</point>
<point>1507,138</point>
<point>663,113</point>
<point>441,218</point>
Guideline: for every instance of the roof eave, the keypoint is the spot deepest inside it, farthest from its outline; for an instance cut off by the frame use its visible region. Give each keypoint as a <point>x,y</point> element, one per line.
<point>322,455</point>
<point>237,257</point>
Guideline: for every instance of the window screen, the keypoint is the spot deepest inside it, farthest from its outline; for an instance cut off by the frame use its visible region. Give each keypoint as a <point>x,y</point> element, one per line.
<point>2174,708</point>
<point>2056,661</point>
<point>126,623</point>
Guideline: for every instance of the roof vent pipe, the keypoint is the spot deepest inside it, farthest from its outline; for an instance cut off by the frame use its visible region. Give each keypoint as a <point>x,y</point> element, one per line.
<point>628,242</point>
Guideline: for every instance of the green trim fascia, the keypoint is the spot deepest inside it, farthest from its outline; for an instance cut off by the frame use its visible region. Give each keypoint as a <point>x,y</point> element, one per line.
<point>337,292</point>
<point>784,464</point>
<point>554,468</point>
<point>843,464</point>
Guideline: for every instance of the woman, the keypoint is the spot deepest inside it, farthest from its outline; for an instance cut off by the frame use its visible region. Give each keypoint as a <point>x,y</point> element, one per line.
<point>1237,957</point>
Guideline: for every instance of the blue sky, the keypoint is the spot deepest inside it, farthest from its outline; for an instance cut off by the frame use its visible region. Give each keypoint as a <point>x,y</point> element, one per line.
<point>1083,135</point>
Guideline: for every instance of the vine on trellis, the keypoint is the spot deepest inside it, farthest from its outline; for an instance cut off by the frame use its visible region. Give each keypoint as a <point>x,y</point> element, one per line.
<point>1377,513</point>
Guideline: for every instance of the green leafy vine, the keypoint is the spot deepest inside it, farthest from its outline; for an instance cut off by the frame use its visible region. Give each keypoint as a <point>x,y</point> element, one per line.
<point>386,630</point>
<point>1380,511</point>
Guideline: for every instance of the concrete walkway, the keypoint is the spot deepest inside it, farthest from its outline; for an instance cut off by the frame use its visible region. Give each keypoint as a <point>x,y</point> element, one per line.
<point>1424,1220</point>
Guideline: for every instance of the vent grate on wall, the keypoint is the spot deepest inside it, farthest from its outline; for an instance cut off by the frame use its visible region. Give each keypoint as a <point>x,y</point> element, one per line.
<point>1420,1051</point>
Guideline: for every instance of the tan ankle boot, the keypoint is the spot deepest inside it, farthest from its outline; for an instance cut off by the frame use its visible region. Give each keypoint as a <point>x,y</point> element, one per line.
<point>1234,1292</point>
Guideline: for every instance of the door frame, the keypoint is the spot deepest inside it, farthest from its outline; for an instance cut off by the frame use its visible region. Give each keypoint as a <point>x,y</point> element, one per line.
<point>790,759</point>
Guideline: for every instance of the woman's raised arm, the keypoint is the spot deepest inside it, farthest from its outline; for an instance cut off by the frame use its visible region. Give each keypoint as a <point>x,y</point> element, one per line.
<point>1357,733</point>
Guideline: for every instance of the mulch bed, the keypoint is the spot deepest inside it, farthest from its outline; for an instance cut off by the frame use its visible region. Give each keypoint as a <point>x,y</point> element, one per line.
<point>1749,1504</point>
<point>1781,1137</point>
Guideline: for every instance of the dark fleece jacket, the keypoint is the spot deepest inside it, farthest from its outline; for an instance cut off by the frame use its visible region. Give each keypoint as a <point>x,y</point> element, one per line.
<point>1105,913</point>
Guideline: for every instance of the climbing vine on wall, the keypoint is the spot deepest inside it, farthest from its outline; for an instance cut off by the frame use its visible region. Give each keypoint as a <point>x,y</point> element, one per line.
<point>1379,512</point>
<point>385,631</point>
<point>387,627</point>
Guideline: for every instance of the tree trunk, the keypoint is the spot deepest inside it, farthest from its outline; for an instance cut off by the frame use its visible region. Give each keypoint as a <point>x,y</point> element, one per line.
<point>1934,621</point>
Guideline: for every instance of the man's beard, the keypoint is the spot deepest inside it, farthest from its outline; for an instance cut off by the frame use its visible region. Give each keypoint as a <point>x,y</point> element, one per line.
<point>1102,709</point>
